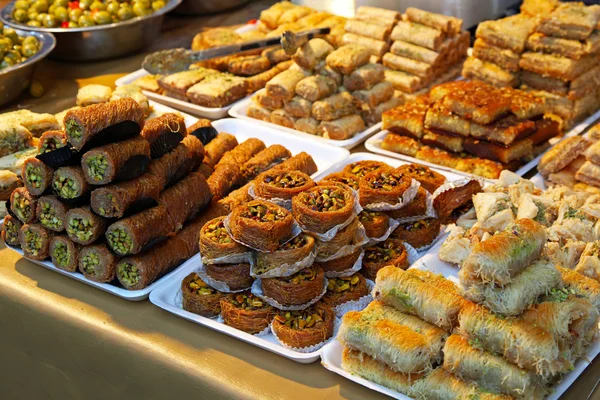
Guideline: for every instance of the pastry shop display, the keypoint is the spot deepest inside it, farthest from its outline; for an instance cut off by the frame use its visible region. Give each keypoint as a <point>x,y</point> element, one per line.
<point>305,328</point>
<point>69,183</point>
<point>281,184</point>
<point>246,312</point>
<point>200,298</point>
<point>215,242</point>
<point>418,234</point>
<point>37,176</point>
<point>117,199</point>
<point>300,248</point>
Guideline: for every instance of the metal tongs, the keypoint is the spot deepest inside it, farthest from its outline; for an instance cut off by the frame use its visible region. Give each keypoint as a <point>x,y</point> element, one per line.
<point>167,62</point>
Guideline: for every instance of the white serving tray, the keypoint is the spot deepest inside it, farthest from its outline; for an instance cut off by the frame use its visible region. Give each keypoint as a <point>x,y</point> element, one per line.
<point>168,297</point>
<point>374,145</point>
<point>240,110</point>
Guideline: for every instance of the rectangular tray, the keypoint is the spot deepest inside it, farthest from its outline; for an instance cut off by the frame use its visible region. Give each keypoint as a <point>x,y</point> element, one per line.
<point>239,110</point>
<point>374,145</point>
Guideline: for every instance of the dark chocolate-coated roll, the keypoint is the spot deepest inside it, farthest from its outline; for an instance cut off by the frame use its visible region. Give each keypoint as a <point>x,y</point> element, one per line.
<point>10,230</point>
<point>37,176</point>
<point>186,198</point>
<point>178,162</point>
<point>84,123</point>
<point>264,160</point>
<point>35,241</point>
<point>164,133</point>
<point>302,162</point>
<point>64,253</point>
<point>70,182</point>
<point>51,140</point>
<point>114,200</point>
<point>130,235</point>
<point>220,145</point>
<point>52,213</point>
<point>23,205</point>
<point>83,226</point>
<point>101,165</point>
<point>97,263</point>
<point>243,152</point>
<point>203,130</point>
<point>224,178</point>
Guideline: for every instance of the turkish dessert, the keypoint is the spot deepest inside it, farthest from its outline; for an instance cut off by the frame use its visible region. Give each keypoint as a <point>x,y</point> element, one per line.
<point>163,133</point>
<point>376,223</point>
<point>83,226</point>
<point>344,178</point>
<point>220,145</point>
<point>383,186</point>
<point>64,253</point>
<point>323,207</point>
<point>429,179</point>
<point>97,263</point>
<point>23,205</point>
<point>37,176</point>
<point>304,328</point>
<point>341,265</point>
<point>362,168</point>
<point>264,160</point>
<point>344,289</point>
<point>35,241</point>
<point>289,253</point>
<point>52,213</point>
<point>281,184</point>
<point>215,242</point>
<point>10,230</point>
<point>418,234</point>
<point>390,252</point>
<point>185,199</point>
<point>297,289</point>
<point>235,275</point>
<point>246,312</point>
<point>70,183</point>
<point>117,199</point>
<point>200,298</point>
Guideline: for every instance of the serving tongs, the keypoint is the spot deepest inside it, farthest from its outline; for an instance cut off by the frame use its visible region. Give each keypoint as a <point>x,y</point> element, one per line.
<point>167,62</point>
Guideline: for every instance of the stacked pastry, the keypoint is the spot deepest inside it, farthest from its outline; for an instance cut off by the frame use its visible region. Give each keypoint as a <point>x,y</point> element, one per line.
<point>428,48</point>
<point>371,28</point>
<point>498,128</point>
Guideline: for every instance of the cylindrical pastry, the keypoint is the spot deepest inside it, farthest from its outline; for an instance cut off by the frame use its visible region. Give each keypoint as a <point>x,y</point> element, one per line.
<point>264,160</point>
<point>322,207</point>
<point>97,263</point>
<point>304,328</point>
<point>297,289</point>
<point>214,151</point>
<point>281,184</point>
<point>341,177</point>
<point>9,181</point>
<point>345,289</point>
<point>203,130</point>
<point>383,186</point>
<point>376,223</point>
<point>376,47</point>
<point>261,225</point>
<point>441,384</point>
<point>70,182</point>
<point>64,253</point>
<point>289,253</point>
<point>51,140</point>
<point>164,133</point>
<point>186,198</point>
<point>236,198</point>
<point>199,298</point>
<point>10,230</point>
<point>23,205</point>
<point>35,241</point>
<point>565,318</point>
<point>179,162</point>
<point>84,123</point>
<point>362,168</point>
<point>52,213</point>
<point>364,28</point>
<point>223,179</point>
<point>236,275</point>
<point>242,152</point>
<point>429,179</point>
<point>83,226</point>
<point>342,128</point>
<point>215,242</point>
<point>417,207</point>
<point>130,235</point>
<point>37,176</point>
<point>343,237</point>
<point>418,234</point>
<point>302,162</point>
<point>246,312</point>
<point>114,200</point>
<point>390,252</point>
<point>340,264</point>
<point>312,52</point>
<point>103,164</point>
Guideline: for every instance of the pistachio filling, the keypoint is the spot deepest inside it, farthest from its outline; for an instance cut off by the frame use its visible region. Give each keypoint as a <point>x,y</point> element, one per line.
<point>346,180</point>
<point>368,216</point>
<point>247,301</point>
<point>343,284</point>
<point>420,170</point>
<point>81,228</point>
<point>64,186</point>
<point>97,166</point>
<point>199,287</point>
<point>217,232</point>
<point>286,180</point>
<point>129,274</point>
<point>12,231</point>
<point>263,213</point>
<point>74,129</point>
<point>383,252</point>
<point>362,169</point>
<point>421,224</point>
<point>33,242</point>
<point>113,205</point>
<point>573,213</point>
<point>325,199</point>
<point>120,241</point>
<point>304,319</point>
<point>51,144</point>
<point>90,262</point>
<point>307,274</point>
<point>33,175</point>
<point>47,217</point>
<point>22,207</point>
<point>61,254</point>
<point>386,180</point>
<point>296,243</point>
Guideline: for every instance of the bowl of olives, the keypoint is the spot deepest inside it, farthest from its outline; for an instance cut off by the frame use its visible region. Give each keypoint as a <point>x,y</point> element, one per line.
<point>89,30</point>
<point>20,50</point>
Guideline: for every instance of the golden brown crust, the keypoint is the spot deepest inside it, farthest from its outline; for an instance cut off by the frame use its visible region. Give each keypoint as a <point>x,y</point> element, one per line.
<point>362,168</point>
<point>342,238</point>
<point>450,203</point>
<point>36,176</point>
<point>383,186</point>
<point>335,296</point>
<point>418,234</point>
<point>214,151</point>
<point>223,179</point>
<point>342,177</point>
<point>413,209</point>
<point>295,290</point>
<point>293,251</point>
<point>282,184</point>
<point>186,198</point>
<point>340,264</point>
<point>35,241</point>
<point>302,162</point>
<point>429,179</point>
<point>23,205</point>
<point>562,154</point>
<point>236,276</point>
<point>248,320</point>
<point>215,242</point>
<point>376,223</point>
<point>305,337</point>
<point>309,207</point>
<point>390,252</point>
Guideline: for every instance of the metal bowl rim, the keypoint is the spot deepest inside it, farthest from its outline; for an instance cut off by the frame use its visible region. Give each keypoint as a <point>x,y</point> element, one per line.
<point>48,43</point>
<point>6,17</point>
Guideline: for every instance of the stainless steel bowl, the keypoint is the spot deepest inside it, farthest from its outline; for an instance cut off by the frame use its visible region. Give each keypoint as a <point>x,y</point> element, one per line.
<point>102,41</point>
<point>15,79</point>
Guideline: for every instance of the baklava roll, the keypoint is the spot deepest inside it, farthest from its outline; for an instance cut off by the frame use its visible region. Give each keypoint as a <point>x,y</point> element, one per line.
<point>283,118</point>
<point>302,162</point>
<point>216,243</point>
<point>10,230</point>
<point>281,184</point>
<point>442,385</point>
<point>36,175</point>
<point>235,275</point>
<point>52,213</point>
<point>97,263</point>
<point>214,151</point>
<point>336,266</point>
<point>435,279</point>
<point>186,198</point>
<point>51,140</point>
<point>289,253</point>
<point>376,223</point>
<point>82,124</point>
<point>262,100</point>
<point>83,226</point>
<point>385,185</point>
<point>130,235</point>
<point>323,207</point>
<point>409,294</point>
<point>428,178</point>
<point>164,133</point>
<point>259,112</point>
<point>35,241</point>
<point>342,128</point>
<point>236,198</point>
<point>246,312</point>
<point>114,200</point>
<point>581,285</point>
<point>310,53</point>
<point>370,30</point>
<point>364,77</point>
<point>199,298</point>
<point>203,131</point>
<point>375,47</point>
<point>242,152</point>
<point>347,58</point>
<point>64,253</point>
<point>261,225</point>
<point>418,234</point>
<point>179,162</point>
<point>345,178</point>
<point>370,98</point>
<point>70,183</point>
<point>314,88</point>
<point>334,107</point>
<point>309,327</point>
<point>390,252</point>
<point>297,289</point>
<point>343,237</point>
<point>362,168</point>
<point>103,164</point>
<point>23,205</point>
<point>223,179</point>
<point>265,160</point>
<point>344,289</point>
<point>283,85</point>
<point>297,108</point>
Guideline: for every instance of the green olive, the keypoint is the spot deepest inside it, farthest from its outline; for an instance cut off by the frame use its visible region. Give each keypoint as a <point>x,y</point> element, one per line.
<point>61,14</point>
<point>5,44</point>
<point>61,3</point>
<point>113,7</point>
<point>51,9</point>
<point>41,17</point>
<point>98,5</point>
<point>75,14</point>
<point>36,89</point>
<point>31,40</point>
<point>6,62</point>
<point>73,24</point>
<point>102,17</point>
<point>32,16</point>
<point>12,35</point>
<point>41,6</point>
<point>50,21</point>
<point>20,15</point>
<point>143,3</point>
<point>140,10</point>
<point>2,54</point>
<point>21,5</point>
<point>86,20</point>
<point>14,55</point>
<point>29,50</point>
<point>85,4</point>
<point>18,47</point>
<point>125,13</point>
<point>34,24</point>
<point>157,5</point>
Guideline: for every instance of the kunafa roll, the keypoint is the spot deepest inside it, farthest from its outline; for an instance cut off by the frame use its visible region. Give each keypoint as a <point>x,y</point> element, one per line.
<point>242,152</point>
<point>246,312</point>
<point>376,223</point>
<point>581,285</point>
<point>23,205</point>
<point>214,151</point>
<point>82,124</point>
<point>52,213</point>
<point>186,198</point>
<point>406,292</point>
<point>10,230</point>
<point>564,315</point>
<point>36,175</point>
<point>113,201</point>
<point>199,298</point>
<point>179,162</point>
<point>103,164</point>
<point>215,242</point>
<point>130,235</point>
<point>288,253</point>
<point>323,207</point>
<point>390,252</point>
<point>297,289</point>
<point>490,371</point>
<point>340,264</point>
<point>264,160</point>
<point>304,328</point>
<point>205,170</point>
<point>435,279</point>
<point>97,263</point>
<point>341,177</point>
<point>385,185</point>
<point>235,275</point>
<point>70,183</point>
<point>64,253</point>
<point>35,241</point>
<point>83,226</point>
<point>344,289</point>
<point>281,184</point>
<point>163,133</point>
<point>51,140</point>
<point>203,130</point>
<point>302,162</point>
<point>223,179</point>
<point>442,385</point>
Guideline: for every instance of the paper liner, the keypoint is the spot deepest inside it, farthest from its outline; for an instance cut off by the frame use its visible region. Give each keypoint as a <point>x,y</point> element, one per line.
<point>215,284</point>
<point>295,232</point>
<point>166,142</point>
<point>355,305</point>
<point>133,167</point>
<point>408,196</point>
<point>454,184</point>
<point>60,157</point>
<point>428,246</point>
<point>229,259</point>
<point>257,291</point>
<point>114,133</point>
<point>412,254</point>
<point>264,332</point>
<point>205,133</point>
<point>285,203</point>
<point>429,213</point>
<point>336,325</point>
<point>284,269</point>
<point>327,236</point>
<point>393,224</point>
<point>347,272</point>
<point>360,239</point>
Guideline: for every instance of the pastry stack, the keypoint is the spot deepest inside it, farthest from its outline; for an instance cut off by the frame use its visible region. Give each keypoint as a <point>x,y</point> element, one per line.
<point>428,48</point>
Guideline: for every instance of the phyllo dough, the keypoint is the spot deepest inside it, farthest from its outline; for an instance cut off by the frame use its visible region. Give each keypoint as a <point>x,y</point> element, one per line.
<point>175,85</point>
<point>348,58</point>
<point>333,107</point>
<point>442,385</point>
<point>283,85</point>
<point>342,128</point>
<point>217,91</point>
<point>310,53</point>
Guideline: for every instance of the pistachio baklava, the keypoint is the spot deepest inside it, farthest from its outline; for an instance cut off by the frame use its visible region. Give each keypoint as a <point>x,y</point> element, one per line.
<point>246,312</point>
<point>362,168</point>
<point>23,205</point>
<point>385,185</point>
<point>216,243</point>
<point>297,289</point>
<point>323,207</point>
<point>419,233</point>
<point>304,328</point>
<point>297,249</point>
<point>281,184</point>
<point>344,289</point>
<point>429,179</point>
<point>200,298</point>
<point>236,275</point>
<point>376,223</point>
<point>389,252</point>
<point>35,241</point>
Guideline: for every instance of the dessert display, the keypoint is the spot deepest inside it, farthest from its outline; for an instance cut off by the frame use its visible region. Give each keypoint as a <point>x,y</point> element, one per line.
<point>299,248</point>
<point>383,186</point>
<point>389,252</point>
<point>297,289</point>
<point>321,208</point>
